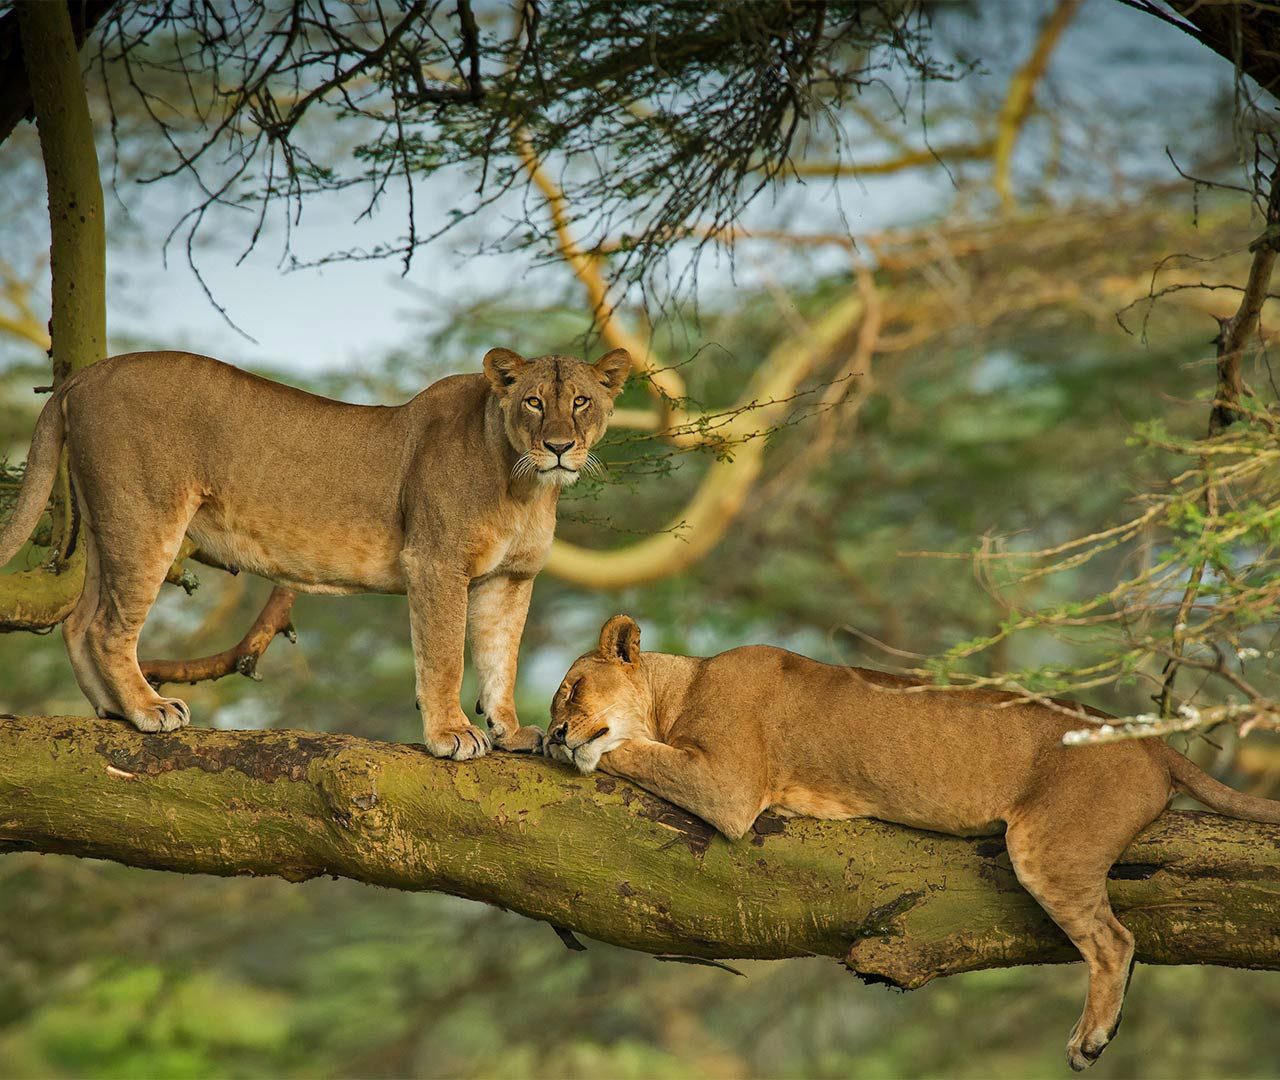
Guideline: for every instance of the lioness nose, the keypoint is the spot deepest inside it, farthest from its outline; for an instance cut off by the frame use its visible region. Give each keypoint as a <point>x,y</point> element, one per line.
<point>560,732</point>
<point>558,448</point>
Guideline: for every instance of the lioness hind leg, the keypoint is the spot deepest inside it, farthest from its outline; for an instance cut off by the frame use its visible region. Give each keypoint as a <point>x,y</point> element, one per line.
<point>75,624</point>
<point>130,577</point>
<point>1068,878</point>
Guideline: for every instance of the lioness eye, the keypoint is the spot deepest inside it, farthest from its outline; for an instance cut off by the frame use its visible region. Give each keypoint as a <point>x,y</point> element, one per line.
<point>533,403</point>
<point>581,402</point>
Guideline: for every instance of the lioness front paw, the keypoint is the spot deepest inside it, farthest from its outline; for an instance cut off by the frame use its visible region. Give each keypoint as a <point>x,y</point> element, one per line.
<point>460,740</point>
<point>524,740</point>
<point>556,752</point>
<point>164,714</point>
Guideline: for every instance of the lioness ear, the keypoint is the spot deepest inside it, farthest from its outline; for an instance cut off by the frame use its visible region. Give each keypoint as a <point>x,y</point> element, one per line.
<point>502,366</point>
<point>620,640</point>
<point>612,369</point>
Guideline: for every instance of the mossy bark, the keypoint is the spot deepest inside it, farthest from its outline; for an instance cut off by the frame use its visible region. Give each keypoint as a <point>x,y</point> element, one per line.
<point>603,858</point>
<point>37,599</point>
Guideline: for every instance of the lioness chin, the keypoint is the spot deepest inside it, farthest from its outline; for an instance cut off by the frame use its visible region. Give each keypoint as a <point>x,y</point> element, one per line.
<point>755,728</point>
<point>450,498</point>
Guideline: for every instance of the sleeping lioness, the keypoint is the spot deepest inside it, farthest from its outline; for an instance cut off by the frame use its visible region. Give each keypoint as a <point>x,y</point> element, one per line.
<point>756,728</point>
<point>450,498</point>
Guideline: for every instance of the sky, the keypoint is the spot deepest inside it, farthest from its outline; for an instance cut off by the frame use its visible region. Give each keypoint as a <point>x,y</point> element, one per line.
<point>1112,61</point>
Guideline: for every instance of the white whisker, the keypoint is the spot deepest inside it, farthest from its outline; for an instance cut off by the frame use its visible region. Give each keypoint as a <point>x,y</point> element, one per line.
<point>523,466</point>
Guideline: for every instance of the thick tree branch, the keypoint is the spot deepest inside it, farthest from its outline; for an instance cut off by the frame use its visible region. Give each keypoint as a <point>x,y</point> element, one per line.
<point>1021,95</point>
<point>600,857</point>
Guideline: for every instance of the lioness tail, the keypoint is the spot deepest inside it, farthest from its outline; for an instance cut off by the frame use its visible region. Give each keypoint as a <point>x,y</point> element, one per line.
<point>1191,780</point>
<point>37,483</point>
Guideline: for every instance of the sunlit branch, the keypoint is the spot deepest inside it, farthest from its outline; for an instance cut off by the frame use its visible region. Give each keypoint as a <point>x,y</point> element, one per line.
<point>1017,104</point>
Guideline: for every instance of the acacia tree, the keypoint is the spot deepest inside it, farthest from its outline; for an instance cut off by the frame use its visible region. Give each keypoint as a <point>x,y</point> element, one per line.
<point>701,110</point>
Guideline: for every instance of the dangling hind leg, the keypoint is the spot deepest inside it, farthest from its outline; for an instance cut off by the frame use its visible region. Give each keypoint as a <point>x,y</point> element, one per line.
<point>129,582</point>
<point>1068,879</point>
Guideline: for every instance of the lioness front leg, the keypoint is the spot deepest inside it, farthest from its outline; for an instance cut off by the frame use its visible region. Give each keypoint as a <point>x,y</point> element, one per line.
<point>437,624</point>
<point>496,611</point>
<point>691,779</point>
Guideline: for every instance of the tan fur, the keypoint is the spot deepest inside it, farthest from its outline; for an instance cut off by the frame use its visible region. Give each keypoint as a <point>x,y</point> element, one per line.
<point>758,728</point>
<point>450,498</point>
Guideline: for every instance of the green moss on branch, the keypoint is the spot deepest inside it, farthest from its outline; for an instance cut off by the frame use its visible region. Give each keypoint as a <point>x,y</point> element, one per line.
<point>605,859</point>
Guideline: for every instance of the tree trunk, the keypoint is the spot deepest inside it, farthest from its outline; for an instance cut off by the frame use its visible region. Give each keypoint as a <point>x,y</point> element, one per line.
<point>38,599</point>
<point>599,856</point>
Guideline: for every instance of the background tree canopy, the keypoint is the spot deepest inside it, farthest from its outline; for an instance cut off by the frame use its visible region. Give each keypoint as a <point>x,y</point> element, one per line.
<point>909,281</point>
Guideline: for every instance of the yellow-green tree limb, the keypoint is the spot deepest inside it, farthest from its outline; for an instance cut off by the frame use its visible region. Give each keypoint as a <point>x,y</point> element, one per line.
<point>77,253</point>
<point>727,483</point>
<point>38,598</point>
<point>1021,94</point>
<point>603,858</point>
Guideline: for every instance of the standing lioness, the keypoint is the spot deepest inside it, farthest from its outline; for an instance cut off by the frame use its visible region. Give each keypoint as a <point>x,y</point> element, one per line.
<point>731,735</point>
<point>450,498</point>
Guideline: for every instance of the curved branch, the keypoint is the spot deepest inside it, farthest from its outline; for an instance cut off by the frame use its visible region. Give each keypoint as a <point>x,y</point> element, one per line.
<point>724,489</point>
<point>739,439</point>
<point>586,268</point>
<point>600,857</point>
<point>273,619</point>
<point>1243,33</point>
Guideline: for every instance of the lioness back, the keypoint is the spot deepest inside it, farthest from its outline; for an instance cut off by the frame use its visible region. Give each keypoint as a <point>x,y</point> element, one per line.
<point>291,485</point>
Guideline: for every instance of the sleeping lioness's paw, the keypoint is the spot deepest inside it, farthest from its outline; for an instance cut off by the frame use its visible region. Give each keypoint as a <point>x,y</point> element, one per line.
<point>164,714</point>
<point>523,740</point>
<point>507,733</point>
<point>460,740</point>
<point>556,752</point>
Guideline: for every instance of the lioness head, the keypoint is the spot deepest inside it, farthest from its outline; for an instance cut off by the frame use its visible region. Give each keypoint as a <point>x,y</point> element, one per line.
<point>555,408</point>
<point>604,700</point>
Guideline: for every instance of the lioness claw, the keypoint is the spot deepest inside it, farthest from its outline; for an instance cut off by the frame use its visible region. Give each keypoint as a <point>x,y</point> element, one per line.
<point>168,714</point>
<point>460,743</point>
